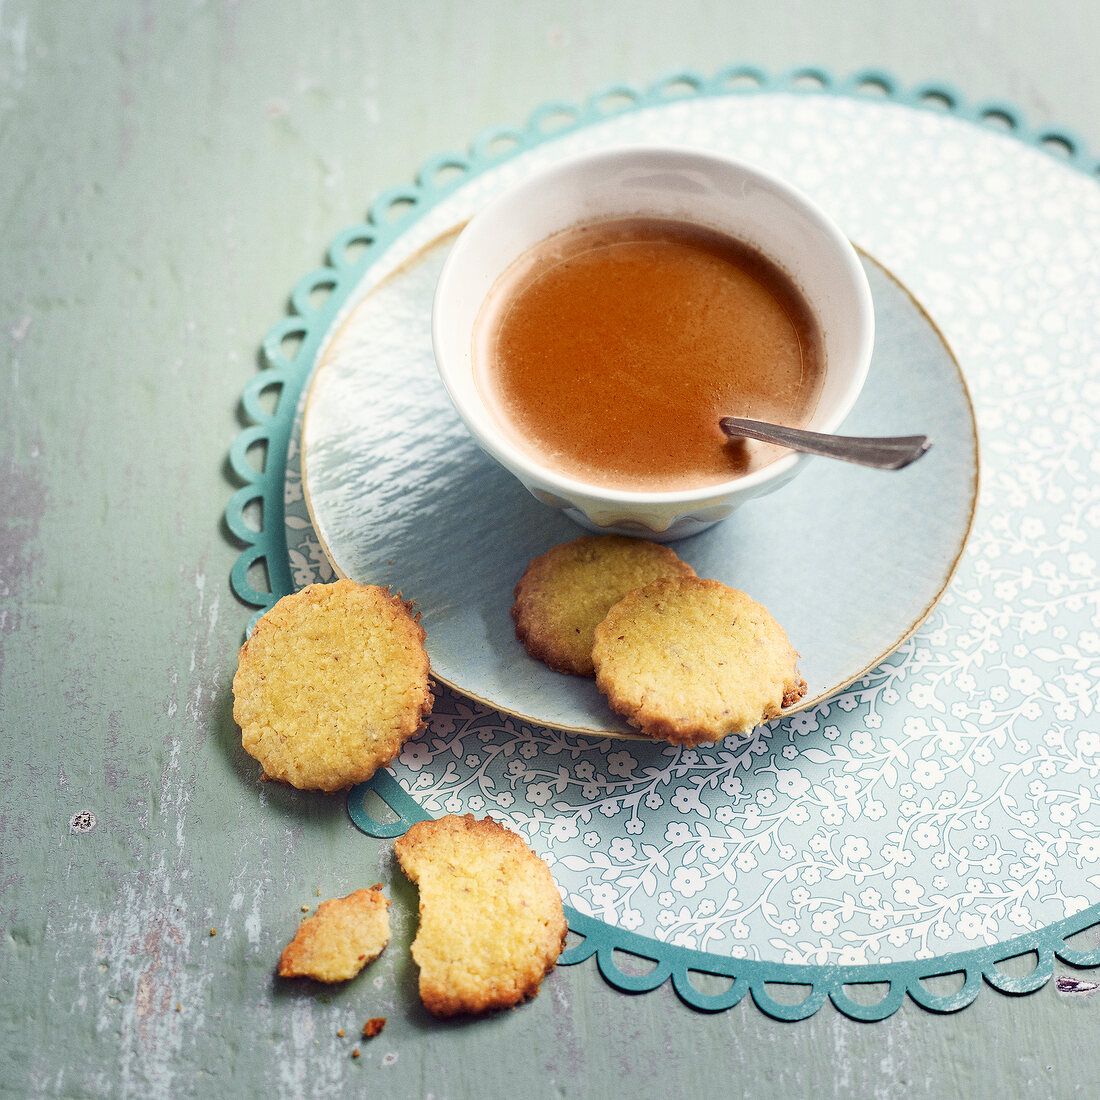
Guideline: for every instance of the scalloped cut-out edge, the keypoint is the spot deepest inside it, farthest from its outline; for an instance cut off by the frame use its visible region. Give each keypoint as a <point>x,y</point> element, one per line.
<point>973,968</point>
<point>290,348</point>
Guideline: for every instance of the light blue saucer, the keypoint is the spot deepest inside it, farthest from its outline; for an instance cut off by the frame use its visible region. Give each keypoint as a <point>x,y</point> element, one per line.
<point>849,560</point>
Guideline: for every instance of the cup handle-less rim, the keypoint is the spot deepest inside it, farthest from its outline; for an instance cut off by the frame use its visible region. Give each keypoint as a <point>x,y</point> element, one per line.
<point>455,280</point>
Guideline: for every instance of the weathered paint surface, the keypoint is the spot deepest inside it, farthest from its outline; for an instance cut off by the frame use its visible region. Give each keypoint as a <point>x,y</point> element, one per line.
<point>168,172</point>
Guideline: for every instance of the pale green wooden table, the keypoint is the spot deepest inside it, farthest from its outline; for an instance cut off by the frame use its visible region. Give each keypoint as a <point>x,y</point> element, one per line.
<point>167,172</point>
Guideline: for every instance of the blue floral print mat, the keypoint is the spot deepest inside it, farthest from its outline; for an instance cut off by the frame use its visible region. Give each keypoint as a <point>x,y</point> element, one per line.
<point>931,825</point>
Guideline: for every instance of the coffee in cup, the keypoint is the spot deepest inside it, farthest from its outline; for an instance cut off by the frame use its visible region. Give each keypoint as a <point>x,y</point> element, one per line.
<point>610,351</point>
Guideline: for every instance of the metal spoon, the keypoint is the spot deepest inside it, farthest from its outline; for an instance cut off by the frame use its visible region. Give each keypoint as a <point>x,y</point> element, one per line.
<point>883,453</point>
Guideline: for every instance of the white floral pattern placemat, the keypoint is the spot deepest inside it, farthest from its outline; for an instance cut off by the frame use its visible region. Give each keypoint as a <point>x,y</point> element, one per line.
<point>948,799</point>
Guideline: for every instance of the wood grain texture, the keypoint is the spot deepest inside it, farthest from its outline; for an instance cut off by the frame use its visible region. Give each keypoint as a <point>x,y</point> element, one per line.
<point>168,173</point>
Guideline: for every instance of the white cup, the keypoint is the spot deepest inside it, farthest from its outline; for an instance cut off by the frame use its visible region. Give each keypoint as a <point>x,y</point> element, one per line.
<point>689,185</point>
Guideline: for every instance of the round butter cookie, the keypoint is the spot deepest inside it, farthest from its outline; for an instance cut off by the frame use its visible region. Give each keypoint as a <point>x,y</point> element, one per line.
<point>567,591</point>
<point>689,661</point>
<point>332,682</point>
<point>491,920</point>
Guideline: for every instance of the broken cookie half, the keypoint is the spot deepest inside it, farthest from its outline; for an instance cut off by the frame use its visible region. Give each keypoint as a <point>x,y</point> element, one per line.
<point>339,939</point>
<point>491,919</point>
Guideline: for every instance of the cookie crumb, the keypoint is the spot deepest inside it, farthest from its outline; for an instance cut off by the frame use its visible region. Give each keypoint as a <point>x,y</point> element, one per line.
<point>213,931</point>
<point>340,1033</point>
<point>355,1052</point>
<point>373,1026</point>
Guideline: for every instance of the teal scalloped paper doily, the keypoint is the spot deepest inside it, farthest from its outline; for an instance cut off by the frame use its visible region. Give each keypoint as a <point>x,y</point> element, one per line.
<point>1020,633</point>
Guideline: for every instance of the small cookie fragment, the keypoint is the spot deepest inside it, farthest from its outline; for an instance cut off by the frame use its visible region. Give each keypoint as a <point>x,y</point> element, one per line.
<point>332,682</point>
<point>491,919</point>
<point>339,939</point>
<point>373,1027</point>
<point>567,591</point>
<point>689,660</point>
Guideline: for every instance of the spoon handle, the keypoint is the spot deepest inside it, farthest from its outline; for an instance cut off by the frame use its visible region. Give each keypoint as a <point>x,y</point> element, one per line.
<point>882,453</point>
